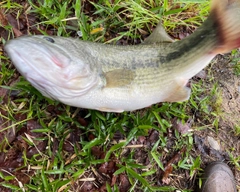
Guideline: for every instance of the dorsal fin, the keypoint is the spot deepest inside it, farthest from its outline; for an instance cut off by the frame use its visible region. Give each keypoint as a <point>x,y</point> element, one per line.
<point>159,35</point>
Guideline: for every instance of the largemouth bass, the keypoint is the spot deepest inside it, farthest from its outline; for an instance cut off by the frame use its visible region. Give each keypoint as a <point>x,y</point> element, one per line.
<point>125,78</point>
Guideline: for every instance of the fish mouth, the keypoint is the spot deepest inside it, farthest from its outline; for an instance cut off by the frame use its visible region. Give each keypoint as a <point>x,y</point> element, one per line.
<point>49,68</point>
<point>35,54</point>
<point>22,44</point>
<point>30,68</point>
<point>21,61</point>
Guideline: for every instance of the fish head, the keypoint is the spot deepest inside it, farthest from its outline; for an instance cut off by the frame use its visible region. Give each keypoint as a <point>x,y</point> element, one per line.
<point>46,62</point>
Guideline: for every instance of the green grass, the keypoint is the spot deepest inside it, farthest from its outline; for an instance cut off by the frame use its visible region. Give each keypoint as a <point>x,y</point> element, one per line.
<point>126,18</point>
<point>55,168</point>
<point>235,62</point>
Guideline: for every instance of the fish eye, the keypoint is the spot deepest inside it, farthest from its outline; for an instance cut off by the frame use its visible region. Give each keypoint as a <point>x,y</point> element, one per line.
<point>49,39</point>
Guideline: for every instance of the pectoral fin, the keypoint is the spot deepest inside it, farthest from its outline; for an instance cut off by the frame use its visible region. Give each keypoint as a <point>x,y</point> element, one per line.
<point>119,78</point>
<point>159,35</point>
<point>179,92</point>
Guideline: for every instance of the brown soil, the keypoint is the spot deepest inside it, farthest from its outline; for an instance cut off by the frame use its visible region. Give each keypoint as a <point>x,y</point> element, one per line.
<point>229,86</point>
<point>229,117</point>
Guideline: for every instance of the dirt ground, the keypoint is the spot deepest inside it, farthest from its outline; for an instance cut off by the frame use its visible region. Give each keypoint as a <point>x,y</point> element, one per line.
<point>229,88</point>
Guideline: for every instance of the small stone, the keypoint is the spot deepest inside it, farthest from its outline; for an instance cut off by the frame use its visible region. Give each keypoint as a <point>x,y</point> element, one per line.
<point>201,75</point>
<point>213,143</point>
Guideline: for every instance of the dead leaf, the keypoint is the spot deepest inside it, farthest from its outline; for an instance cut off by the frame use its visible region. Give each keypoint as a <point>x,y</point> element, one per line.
<point>168,168</point>
<point>3,20</point>
<point>180,127</point>
<point>124,183</point>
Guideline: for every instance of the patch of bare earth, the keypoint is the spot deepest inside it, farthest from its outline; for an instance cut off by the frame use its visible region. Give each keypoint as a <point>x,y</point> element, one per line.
<point>230,90</point>
<point>215,145</point>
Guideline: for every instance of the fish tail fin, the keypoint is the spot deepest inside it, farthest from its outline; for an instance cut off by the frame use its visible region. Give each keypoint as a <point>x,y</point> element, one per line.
<point>227,15</point>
